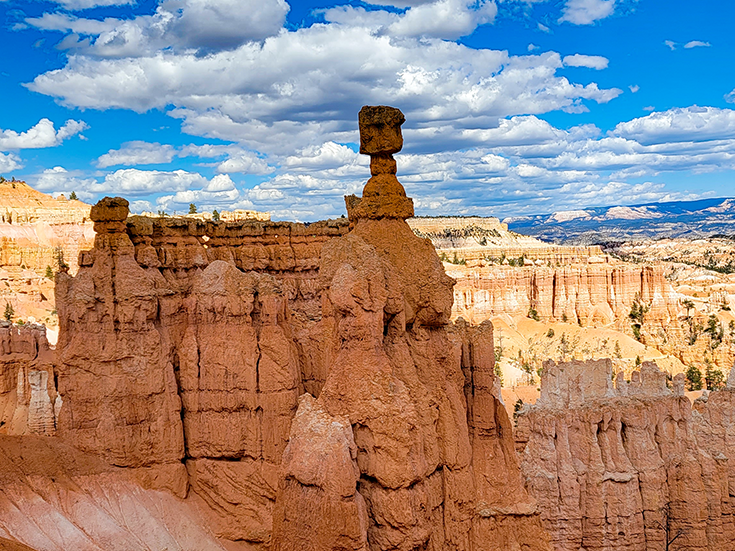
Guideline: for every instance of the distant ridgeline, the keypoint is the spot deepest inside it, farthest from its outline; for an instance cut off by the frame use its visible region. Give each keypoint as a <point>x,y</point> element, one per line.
<point>20,203</point>
<point>600,225</point>
<point>486,239</point>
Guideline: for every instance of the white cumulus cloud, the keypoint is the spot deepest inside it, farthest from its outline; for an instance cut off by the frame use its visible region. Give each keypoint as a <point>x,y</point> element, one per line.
<point>137,153</point>
<point>586,12</point>
<point>589,61</point>
<point>43,134</point>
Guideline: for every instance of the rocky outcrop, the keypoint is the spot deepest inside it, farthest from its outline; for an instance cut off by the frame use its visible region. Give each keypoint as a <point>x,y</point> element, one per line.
<point>186,344</point>
<point>39,235</point>
<point>434,461</point>
<point>628,467</point>
<point>584,294</point>
<point>54,498</point>
<point>28,396</point>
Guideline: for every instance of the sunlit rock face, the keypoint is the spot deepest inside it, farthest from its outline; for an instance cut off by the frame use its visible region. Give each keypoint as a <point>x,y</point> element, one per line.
<point>631,465</point>
<point>302,385</point>
<point>433,464</point>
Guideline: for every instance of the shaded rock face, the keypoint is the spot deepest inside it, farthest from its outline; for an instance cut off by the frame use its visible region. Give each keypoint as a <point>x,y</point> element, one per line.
<point>628,467</point>
<point>28,396</point>
<point>303,384</point>
<point>55,498</point>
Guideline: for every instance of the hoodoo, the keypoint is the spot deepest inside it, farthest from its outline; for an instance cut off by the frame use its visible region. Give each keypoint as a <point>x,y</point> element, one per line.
<point>407,445</point>
<point>299,387</point>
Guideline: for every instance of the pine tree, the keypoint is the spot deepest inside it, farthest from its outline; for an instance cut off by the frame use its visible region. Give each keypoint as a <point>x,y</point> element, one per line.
<point>215,215</point>
<point>73,196</point>
<point>9,311</point>
<point>192,208</point>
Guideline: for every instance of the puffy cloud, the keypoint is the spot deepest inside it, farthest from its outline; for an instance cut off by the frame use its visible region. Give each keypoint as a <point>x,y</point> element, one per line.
<point>137,153</point>
<point>43,134</point>
<point>206,25</point>
<point>299,88</point>
<point>8,162</point>
<point>586,12</point>
<point>444,19</point>
<point>60,180</point>
<point>696,44</point>
<point>245,162</point>
<point>589,61</point>
<point>680,124</point>
<point>132,181</point>
<point>219,192</point>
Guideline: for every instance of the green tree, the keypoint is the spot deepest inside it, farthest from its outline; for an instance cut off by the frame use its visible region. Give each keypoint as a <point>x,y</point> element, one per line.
<point>49,273</point>
<point>9,311</point>
<point>533,314</point>
<point>694,378</point>
<point>192,208</point>
<point>689,305</point>
<point>73,196</point>
<point>713,377</point>
<point>215,215</point>
<point>550,334</point>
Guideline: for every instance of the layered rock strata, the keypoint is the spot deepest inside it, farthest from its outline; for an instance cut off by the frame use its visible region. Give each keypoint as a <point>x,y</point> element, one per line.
<point>584,294</point>
<point>185,346</point>
<point>628,466</point>
<point>421,452</point>
<point>477,241</point>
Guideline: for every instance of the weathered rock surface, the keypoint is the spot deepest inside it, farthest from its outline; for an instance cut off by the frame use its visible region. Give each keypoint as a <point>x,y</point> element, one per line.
<point>27,381</point>
<point>585,294</point>
<point>435,461</point>
<point>630,466</point>
<point>55,498</point>
<point>37,232</point>
<point>185,345</point>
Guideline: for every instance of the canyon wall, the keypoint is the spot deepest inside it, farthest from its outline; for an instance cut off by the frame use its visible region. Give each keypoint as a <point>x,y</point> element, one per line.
<point>478,241</point>
<point>594,294</point>
<point>38,233</point>
<point>629,466</point>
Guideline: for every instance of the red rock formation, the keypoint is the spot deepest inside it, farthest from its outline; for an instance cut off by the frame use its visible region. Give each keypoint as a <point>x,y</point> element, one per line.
<point>185,345</point>
<point>615,468</point>
<point>433,473</point>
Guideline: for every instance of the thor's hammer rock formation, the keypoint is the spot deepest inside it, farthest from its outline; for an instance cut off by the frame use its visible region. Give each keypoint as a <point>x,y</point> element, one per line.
<point>401,449</point>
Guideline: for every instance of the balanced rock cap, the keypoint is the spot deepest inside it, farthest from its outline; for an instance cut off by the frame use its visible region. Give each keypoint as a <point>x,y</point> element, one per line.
<point>380,130</point>
<point>110,209</point>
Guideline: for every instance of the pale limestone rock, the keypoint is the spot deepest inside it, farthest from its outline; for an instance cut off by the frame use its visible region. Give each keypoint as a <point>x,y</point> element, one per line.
<point>40,410</point>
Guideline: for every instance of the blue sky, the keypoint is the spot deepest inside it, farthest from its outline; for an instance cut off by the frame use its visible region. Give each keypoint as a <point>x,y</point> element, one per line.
<point>512,106</point>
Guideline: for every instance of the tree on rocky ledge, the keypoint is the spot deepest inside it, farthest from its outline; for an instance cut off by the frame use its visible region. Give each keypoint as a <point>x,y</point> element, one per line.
<point>694,378</point>
<point>73,196</point>
<point>9,311</point>
<point>215,215</point>
<point>192,208</point>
